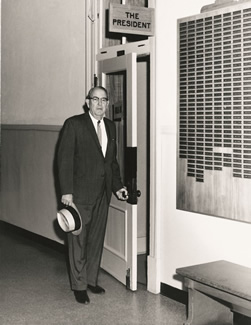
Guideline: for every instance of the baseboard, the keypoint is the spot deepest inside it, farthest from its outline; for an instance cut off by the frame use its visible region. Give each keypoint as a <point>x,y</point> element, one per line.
<point>13,230</point>
<point>174,293</point>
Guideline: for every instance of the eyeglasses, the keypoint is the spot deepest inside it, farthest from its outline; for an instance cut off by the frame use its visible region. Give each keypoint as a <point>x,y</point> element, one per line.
<point>96,100</point>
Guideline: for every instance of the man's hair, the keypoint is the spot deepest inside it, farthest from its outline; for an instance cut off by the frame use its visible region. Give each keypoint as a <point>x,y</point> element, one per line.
<point>96,87</point>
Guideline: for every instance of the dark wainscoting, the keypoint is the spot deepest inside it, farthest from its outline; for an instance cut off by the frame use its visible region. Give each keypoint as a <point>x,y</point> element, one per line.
<point>29,185</point>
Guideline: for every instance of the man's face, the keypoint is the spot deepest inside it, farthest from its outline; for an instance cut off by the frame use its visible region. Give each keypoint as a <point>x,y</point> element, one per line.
<point>98,103</point>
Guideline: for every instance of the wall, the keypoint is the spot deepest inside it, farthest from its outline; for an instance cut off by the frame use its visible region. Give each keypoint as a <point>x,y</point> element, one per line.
<point>43,60</point>
<point>29,183</point>
<point>43,83</point>
<point>185,238</point>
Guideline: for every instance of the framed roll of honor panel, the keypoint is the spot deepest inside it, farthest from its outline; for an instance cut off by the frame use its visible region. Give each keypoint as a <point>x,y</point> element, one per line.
<point>214,113</point>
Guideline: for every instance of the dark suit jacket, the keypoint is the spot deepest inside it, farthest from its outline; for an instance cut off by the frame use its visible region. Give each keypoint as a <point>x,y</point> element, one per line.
<point>83,170</point>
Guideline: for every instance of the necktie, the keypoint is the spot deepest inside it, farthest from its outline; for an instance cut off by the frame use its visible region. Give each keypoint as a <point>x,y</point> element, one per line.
<point>99,133</point>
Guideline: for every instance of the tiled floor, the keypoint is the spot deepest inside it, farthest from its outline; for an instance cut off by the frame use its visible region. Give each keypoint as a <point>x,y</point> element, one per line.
<point>34,290</point>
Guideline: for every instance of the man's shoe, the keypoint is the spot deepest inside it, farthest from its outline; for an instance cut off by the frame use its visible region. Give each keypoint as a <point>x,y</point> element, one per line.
<point>97,289</point>
<point>82,297</point>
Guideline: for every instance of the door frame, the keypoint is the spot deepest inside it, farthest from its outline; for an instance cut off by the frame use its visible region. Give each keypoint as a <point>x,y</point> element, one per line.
<point>94,49</point>
<point>142,48</point>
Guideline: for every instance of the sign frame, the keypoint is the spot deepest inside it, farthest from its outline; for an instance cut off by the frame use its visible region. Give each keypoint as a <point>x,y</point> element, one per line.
<point>127,19</point>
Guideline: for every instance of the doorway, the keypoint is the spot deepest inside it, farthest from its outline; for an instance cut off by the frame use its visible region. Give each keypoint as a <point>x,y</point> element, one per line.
<point>126,75</point>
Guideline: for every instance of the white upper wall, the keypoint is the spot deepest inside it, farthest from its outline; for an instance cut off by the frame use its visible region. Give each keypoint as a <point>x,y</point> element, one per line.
<point>185,238</point>
<point>43,60</point>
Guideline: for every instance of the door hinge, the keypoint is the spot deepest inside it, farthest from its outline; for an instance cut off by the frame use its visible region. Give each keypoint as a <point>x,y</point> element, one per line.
<point>95,80</point>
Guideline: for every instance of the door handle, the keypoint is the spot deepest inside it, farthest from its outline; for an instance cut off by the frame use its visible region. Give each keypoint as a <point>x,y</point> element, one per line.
<point>133,193</point>
<point>131,175</point>
<point>138,194</point>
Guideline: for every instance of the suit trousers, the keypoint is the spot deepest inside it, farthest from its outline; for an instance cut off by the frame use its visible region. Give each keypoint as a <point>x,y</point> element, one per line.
<point>85,250</point>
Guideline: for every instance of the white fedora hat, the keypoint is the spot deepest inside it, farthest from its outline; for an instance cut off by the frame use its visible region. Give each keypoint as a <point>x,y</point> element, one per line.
<point>69,219</point>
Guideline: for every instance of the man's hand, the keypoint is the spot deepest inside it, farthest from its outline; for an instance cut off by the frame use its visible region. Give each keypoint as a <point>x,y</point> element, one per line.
<point>67,199</point>
<point>122,194</point>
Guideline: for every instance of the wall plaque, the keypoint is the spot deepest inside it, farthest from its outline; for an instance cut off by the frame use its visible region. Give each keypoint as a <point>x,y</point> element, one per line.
<point>127,19</point>
<point>213,165</point>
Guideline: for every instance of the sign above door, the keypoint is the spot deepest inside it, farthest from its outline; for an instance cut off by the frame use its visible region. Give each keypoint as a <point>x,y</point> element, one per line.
<point>131,20</point>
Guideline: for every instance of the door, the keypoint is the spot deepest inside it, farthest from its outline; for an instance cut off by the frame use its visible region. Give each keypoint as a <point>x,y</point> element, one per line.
<point>119,76</point>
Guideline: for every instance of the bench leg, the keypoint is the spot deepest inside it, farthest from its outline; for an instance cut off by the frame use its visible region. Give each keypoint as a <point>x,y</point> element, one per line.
<point>204,310</point>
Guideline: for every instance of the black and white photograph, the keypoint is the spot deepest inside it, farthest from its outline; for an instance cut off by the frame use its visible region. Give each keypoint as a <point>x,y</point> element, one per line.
<point>125,159</point>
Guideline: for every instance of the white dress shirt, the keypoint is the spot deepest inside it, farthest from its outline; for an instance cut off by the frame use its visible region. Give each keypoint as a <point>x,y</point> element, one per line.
<point>103,131</point>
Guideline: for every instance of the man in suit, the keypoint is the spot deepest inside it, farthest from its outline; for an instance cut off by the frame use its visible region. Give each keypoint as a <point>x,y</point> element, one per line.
<point>88,174</point>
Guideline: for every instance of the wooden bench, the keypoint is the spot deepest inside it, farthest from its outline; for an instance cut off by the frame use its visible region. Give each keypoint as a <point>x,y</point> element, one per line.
<point>219,293</point>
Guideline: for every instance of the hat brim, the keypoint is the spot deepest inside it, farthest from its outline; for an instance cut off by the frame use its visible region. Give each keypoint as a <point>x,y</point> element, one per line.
<point>69,219</point>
